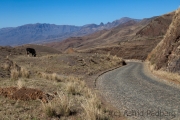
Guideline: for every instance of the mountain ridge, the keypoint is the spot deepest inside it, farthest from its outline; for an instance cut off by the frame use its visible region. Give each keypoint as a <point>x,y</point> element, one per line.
<point>131,40</point>
<point>44,32</point>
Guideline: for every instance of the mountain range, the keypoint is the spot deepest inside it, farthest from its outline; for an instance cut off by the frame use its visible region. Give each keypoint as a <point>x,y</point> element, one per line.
<point>38,33</point>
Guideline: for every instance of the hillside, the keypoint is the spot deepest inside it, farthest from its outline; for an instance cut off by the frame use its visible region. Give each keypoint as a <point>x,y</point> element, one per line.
<point>166,55</point>
<point>38,33</point>
<point>52,82</point>
<point>130,40</point>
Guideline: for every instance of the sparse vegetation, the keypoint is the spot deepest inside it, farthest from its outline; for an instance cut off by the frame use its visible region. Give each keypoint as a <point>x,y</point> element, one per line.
<point>72,88</point>
<point>15,73</point>
<point>61,78</point>
<point>173,77</point>
<point>24,73</point>
<point>49,109</point>
<point>92,107</point>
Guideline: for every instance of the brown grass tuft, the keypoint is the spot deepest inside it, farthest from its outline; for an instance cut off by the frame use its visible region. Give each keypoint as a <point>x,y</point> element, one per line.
<point>6,66</point>
<point>25,73</point>
<point>73,88</point>
<point>164,74</point>
<point>93,110</point>
<point>47,76</point>
<point>49,109</point>
<point>15,74</point>
<point>60,106</point>
<point>20,84</point>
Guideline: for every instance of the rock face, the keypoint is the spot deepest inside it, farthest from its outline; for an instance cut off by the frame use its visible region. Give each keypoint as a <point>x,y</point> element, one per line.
<point>166,55</point>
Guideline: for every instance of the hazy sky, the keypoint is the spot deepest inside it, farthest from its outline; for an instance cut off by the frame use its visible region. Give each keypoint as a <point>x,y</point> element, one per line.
<point>79,12</point>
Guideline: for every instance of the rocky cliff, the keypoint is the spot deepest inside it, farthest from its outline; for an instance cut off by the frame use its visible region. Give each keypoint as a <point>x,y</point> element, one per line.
<point>166,55</point>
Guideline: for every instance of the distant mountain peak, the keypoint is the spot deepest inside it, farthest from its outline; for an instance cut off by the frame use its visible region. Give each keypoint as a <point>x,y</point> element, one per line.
<point>101,24</point>
<point>40,32</point>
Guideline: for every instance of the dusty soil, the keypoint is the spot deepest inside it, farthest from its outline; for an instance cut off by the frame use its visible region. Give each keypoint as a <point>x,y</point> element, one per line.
<point>24,94</point>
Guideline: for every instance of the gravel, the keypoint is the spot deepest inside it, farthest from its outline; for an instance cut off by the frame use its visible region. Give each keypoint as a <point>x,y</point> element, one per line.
<point>139,95</point>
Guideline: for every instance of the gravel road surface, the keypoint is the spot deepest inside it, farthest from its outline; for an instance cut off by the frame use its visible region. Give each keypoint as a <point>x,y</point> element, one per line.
<point>139,95</point>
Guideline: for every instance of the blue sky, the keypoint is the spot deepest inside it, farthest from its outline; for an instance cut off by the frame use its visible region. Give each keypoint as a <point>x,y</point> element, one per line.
<point>79,12</point>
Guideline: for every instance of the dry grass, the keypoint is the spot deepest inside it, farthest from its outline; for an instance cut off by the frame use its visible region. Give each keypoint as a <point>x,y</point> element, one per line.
<point>15,70</point>
<point>44,73</point>
<point>49,109</point>
<point>15,74</point>
<point>64,104</point>
<point>6,66</point>
<point>20,83</point>
<point>60,106</point>
<point>92,108</point>
<point>24,73</point>
<point>53,76</point>
<point>175,77</point>
<point>71,88</point>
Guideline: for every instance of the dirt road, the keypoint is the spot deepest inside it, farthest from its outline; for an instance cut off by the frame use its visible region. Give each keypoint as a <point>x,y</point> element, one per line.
<point>139,95</point>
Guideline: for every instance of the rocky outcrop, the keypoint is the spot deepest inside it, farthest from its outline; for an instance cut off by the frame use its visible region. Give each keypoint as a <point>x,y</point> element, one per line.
<point>166,55</point>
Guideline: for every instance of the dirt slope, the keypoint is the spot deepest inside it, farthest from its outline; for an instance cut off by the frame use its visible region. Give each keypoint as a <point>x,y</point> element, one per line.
<point>166,55</point>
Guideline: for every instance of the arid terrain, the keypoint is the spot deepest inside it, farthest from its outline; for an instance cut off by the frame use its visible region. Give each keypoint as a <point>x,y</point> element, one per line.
<point>130,40</point>
<point>88,76</point>
<point>53,85</point>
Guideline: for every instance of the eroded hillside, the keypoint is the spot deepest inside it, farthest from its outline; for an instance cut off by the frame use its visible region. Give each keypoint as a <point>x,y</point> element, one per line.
<point>166,55</point>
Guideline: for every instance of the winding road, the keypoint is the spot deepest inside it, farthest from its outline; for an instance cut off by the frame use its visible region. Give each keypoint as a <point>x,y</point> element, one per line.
<point>138,94</point>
